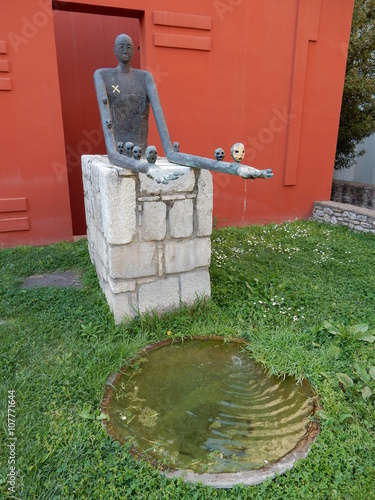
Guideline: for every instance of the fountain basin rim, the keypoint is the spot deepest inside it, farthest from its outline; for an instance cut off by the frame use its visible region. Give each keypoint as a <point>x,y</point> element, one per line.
<point>223,479</point>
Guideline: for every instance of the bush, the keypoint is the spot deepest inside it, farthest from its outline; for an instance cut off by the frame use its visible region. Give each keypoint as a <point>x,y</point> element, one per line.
<point>357,120</point>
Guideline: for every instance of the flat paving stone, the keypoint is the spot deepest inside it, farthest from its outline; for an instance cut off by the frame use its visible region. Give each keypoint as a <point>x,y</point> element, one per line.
<point>63,279</point>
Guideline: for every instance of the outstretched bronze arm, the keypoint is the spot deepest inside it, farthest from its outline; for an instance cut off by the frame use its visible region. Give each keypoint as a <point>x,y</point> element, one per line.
<point>193,160</point>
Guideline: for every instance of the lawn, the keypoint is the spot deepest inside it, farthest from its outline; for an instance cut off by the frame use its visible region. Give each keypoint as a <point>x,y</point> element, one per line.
<point>302,294</point>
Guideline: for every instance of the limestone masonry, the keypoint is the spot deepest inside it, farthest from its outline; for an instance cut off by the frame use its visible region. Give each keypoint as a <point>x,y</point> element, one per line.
<point>356,218</point>
<point>150,242</point>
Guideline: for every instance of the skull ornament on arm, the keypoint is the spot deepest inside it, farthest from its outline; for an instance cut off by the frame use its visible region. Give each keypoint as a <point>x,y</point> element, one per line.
<point>151,154</point>
<point>129,149</point>
<point>238,152</point>
<point>137,153</point>
<point>120,147</point>
<point>219,154</point>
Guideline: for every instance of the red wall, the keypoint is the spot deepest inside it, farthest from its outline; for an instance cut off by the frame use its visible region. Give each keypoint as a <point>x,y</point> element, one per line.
<point>34,200</point>
<point>268,73</point>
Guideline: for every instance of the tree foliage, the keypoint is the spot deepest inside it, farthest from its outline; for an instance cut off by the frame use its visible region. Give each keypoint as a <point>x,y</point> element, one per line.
<point>357,120</point>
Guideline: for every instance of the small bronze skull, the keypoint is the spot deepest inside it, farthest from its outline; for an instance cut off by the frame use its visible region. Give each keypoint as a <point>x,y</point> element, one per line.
<point>219,154</point>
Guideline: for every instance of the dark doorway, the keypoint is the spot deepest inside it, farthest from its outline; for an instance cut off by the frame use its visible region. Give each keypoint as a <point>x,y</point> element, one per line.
<point>84,42</point>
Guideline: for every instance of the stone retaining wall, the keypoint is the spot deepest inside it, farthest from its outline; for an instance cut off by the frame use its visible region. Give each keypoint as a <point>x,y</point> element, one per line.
<point>356,218</point>
<point>353,193</point>
<point>150,242</point>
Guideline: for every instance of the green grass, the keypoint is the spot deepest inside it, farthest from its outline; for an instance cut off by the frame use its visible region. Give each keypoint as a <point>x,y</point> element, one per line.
<point>284,288</point>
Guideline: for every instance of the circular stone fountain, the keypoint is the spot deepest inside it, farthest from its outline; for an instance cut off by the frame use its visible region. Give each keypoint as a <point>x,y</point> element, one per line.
<point>205,410</point>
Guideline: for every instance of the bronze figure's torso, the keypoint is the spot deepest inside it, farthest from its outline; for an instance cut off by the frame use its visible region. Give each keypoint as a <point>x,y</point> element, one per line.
<point>129,105</point>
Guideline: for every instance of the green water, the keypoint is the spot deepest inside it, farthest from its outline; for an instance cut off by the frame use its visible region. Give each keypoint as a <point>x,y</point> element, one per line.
<point>206,406</point>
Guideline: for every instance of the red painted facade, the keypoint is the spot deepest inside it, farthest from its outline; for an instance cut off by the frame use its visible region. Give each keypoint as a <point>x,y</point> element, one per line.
<point>268,73</point>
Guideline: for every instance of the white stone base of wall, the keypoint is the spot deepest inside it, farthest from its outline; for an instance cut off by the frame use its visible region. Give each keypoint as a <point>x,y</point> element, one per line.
<point>150,242</point>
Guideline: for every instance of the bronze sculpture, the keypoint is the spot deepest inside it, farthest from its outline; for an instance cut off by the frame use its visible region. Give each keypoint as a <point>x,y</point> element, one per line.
<point>124,97</point>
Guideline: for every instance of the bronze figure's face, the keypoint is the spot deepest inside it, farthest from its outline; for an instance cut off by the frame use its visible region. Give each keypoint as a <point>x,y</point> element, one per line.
<point>124,48</point>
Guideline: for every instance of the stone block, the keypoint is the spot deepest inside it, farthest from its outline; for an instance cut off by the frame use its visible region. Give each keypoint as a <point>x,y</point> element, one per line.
<point>194,286</point>
<point>118,202</point>
<point>154,220</point>
<point>101,269</point>
<point>173,197</point>
<point>95,179</point>
<point>185,183</point>
<point>122,286</point>
<point>181,222</point>
<point>186,255</point>
<point>99,244</point>
<point>122,305</point>
<point>88,211</point>
<point>203,251</point>
<point>96,211</point>
<point>86,168</point>
<point>148,198</point>
<point>161,295</point>
<point>204,203</point>
<point>179,256</point>
<point>133,260</point>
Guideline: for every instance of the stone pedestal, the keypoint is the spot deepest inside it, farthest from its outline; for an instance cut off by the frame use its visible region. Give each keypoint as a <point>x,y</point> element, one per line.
<point>150,242</point>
